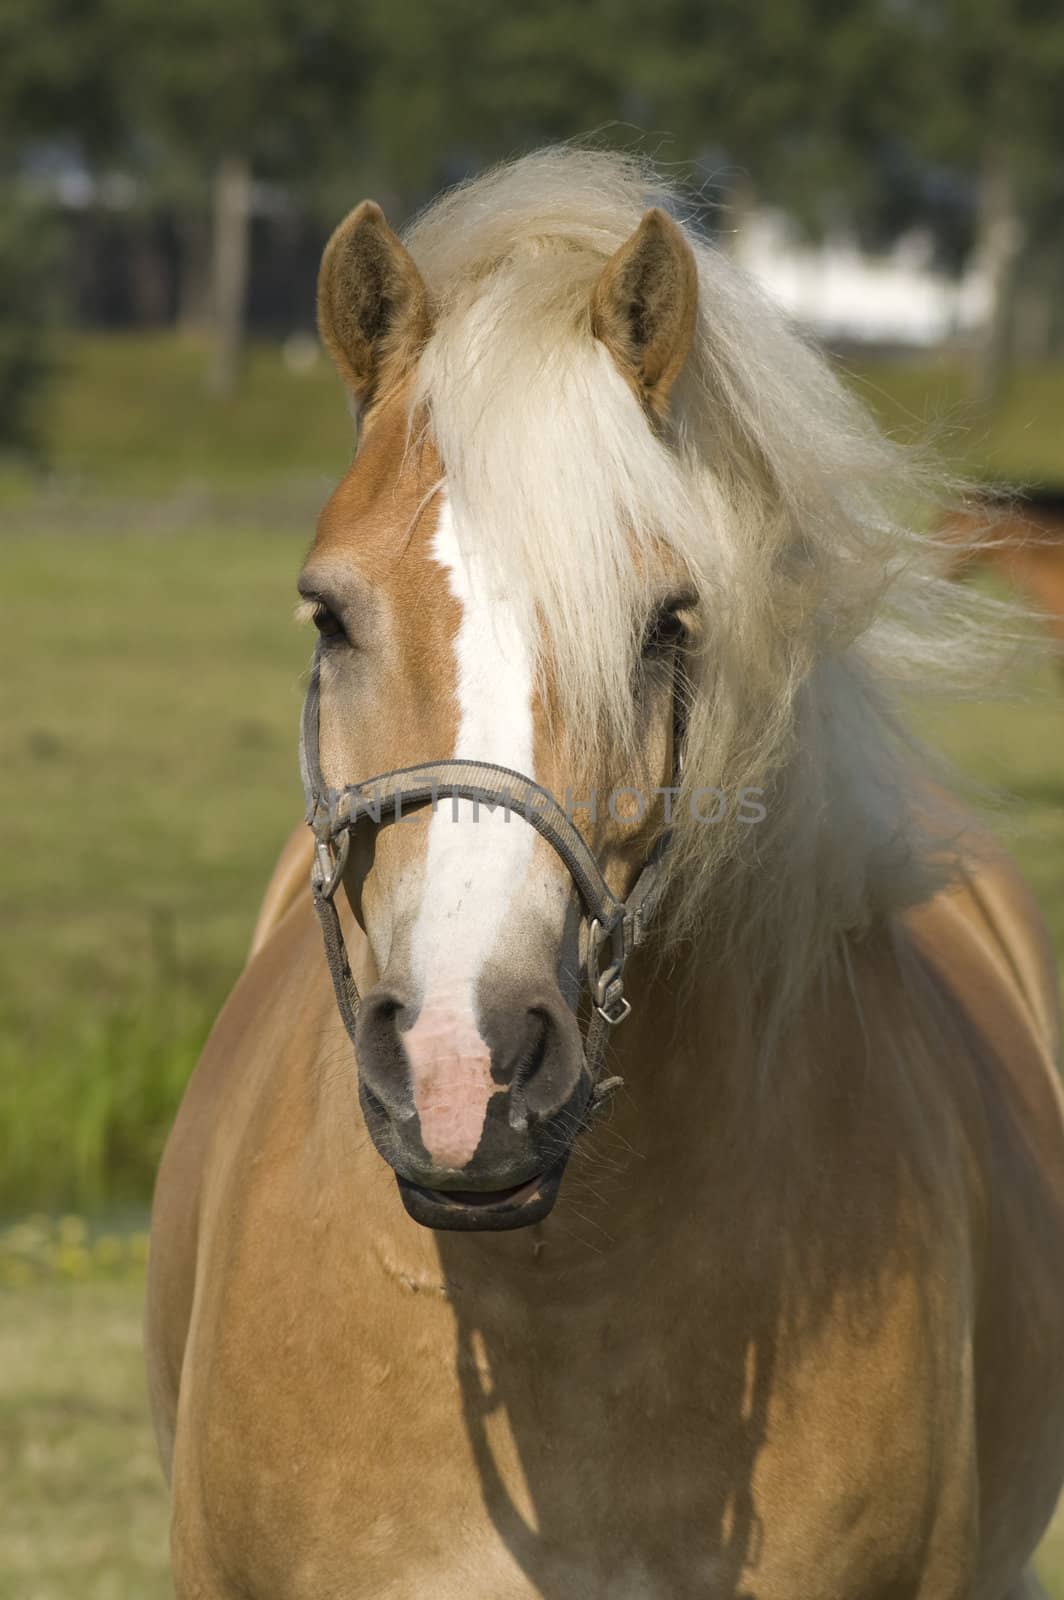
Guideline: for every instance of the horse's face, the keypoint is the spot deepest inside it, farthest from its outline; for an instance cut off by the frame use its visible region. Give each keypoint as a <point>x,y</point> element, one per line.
<point>471,1066</point>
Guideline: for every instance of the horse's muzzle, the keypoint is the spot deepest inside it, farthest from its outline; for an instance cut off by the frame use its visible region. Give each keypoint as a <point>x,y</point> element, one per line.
<point>477,1144</point>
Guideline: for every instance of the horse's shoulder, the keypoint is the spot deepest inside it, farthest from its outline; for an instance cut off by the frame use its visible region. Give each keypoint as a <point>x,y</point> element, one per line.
<point>992,1031</point>
<point>985,928</point>
<point>244,1047</point>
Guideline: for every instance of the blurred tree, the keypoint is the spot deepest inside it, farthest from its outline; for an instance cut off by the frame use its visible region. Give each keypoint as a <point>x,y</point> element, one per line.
<point>60,71</point>
<point>791,101</point>
<point>237,94</point>
<point>56,80</point>
<point>27,311</point>
<point>991,74</point>
<point>888,112</point>
<point>455,86</point>
<point>881,111</point>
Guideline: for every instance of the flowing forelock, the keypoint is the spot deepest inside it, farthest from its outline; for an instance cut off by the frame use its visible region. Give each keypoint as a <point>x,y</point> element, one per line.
<point>769,490</point>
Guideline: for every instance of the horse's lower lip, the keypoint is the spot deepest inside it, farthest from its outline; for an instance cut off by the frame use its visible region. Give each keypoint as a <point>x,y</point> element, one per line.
<point>484,1211</point>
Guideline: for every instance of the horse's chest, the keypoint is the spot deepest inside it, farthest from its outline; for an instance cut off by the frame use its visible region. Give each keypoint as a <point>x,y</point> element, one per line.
<point>665,1446</point>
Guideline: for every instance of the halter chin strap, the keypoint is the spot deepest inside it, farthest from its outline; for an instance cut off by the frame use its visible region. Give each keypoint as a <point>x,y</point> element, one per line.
<point>615,927</point>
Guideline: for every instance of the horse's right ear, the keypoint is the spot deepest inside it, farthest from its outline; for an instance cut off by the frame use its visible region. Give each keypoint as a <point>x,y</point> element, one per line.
<point>373,307</point>
<point>645,307</point>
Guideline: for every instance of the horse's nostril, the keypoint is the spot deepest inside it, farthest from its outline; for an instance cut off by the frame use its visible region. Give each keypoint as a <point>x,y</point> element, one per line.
<point>382,1013</point>
<point>537,1055</point>
<point>382,1060</point>
<point>529,1063</point>
<point>535,1051</point>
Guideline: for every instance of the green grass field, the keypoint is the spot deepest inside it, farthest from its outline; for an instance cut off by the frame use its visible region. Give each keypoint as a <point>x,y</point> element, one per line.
<point>147,769</point>
<point>83,1515</point>
<point>151,678</point>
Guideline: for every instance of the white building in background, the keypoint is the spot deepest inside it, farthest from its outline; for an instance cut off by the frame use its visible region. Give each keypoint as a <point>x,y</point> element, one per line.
<point>841,293</point>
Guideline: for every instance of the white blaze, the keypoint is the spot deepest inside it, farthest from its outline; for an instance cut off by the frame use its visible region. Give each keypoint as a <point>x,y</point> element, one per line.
<point>476,862</point>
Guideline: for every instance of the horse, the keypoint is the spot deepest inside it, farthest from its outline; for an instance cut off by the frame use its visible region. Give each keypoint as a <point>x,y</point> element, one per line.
<point>1021,540</point>
<point>631,1163</point>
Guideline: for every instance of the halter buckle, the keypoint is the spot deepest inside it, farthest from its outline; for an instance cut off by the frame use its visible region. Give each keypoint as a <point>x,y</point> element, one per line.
<point>607,983</point>
<point>616,1011</point>
<point>329,868</point>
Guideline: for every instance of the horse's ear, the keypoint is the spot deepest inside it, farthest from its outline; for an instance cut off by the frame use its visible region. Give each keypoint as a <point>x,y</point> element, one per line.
<point>373,307</point>
<point>645,305</point>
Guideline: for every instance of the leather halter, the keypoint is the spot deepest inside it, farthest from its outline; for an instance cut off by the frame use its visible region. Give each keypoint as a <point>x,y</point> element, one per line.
<point>332,814</point>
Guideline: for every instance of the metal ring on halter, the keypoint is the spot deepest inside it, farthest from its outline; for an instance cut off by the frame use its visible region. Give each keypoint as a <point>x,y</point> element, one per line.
<point>618,1009</point>
<point>329,868</point>
<point>607,984</point>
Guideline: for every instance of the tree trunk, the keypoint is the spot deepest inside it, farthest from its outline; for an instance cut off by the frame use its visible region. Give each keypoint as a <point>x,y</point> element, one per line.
<point>998,249</point>
<point>1038,301</point>
<point>229,274</point>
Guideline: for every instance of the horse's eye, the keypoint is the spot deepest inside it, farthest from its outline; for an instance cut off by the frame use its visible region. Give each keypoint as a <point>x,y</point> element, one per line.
<point>663,632</point>
<point>327,624</point>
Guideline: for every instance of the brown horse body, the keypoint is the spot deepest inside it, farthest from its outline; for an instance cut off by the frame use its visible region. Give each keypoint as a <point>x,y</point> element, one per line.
<point>724,1369</point>
<point>795,1328</point>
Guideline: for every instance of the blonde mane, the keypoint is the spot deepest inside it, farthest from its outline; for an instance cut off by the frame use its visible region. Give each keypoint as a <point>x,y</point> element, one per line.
<point>795,519</point>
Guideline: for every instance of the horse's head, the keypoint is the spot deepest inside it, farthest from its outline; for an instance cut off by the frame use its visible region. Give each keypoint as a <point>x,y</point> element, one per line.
<point>472,1068</point>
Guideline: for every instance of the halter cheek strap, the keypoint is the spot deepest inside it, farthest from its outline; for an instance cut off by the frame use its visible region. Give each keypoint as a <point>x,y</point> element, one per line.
<point>615,927</point>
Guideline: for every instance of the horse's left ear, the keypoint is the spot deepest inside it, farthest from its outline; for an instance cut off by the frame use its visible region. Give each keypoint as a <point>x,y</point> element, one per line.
<point>373,307</point>
<point>645,305</point>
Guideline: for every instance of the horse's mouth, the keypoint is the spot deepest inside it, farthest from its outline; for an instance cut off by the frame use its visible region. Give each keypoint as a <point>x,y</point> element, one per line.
<point>483,1211</point>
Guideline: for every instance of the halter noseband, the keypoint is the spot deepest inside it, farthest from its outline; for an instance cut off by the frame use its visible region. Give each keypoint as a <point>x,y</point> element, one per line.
<point>615,927</point>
